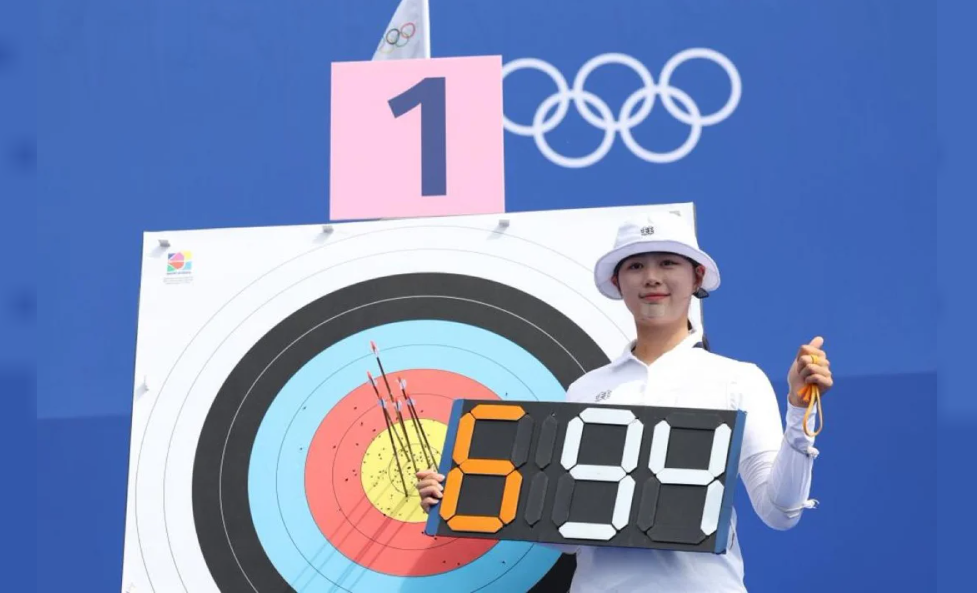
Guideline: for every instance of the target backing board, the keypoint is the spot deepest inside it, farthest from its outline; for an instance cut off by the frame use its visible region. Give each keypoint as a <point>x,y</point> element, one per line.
<point>260,459</point>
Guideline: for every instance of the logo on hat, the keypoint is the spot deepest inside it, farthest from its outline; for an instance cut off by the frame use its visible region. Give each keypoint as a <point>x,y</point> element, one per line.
<point>648,230</point>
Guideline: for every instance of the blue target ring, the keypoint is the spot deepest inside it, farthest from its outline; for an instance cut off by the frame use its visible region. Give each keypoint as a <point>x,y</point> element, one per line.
<point>276,488</point>
<point>253,523</point>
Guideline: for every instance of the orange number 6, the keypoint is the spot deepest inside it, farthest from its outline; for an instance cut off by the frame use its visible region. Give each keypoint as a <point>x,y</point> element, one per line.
<point>484,467</point>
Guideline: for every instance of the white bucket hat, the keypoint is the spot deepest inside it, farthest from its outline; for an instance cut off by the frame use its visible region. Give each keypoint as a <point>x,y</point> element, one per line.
<point>659,232</point>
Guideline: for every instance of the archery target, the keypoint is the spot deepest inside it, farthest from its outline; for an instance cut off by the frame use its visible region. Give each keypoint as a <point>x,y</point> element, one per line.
<point>260,458</point>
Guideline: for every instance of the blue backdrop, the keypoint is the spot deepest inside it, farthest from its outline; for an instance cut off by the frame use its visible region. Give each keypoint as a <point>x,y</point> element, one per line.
<point>162,114</point>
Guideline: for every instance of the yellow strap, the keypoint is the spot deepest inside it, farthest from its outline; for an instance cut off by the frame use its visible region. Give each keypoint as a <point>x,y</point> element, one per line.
<point>811,394</point>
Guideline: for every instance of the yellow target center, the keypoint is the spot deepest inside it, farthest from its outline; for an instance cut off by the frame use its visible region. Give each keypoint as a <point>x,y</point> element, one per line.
<point>384,463</point>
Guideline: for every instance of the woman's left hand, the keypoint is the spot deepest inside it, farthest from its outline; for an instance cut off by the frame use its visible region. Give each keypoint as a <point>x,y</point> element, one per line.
<point>810,366</point>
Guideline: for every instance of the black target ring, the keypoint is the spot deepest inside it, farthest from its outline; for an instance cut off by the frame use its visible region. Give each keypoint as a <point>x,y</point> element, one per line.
<point>221,509</point>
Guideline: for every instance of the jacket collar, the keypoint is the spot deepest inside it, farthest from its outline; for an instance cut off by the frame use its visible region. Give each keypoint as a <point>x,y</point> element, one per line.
<point>693,340</point>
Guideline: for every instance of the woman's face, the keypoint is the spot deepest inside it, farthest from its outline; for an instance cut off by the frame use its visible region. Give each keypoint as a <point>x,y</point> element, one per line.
<point>657,287</point>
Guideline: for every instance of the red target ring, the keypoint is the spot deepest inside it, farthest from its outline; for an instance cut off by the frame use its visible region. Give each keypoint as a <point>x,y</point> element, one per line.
<point>341,507</point>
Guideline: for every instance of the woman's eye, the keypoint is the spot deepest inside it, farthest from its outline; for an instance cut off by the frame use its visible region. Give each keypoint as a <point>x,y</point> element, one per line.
<point>669,262</point>
<point>635,266</point>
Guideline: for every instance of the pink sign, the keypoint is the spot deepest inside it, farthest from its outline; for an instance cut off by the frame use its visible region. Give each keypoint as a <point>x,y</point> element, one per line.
<point>416,138</point>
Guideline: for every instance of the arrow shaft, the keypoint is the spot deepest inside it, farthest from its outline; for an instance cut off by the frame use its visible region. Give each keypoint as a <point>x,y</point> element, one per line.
<point>400,416</point>
<point>390,433</point>
<point>390,421</point>
<point>425,443</point>
<point>421,437</point>
<point>428,450</point>
<point>410,449</point>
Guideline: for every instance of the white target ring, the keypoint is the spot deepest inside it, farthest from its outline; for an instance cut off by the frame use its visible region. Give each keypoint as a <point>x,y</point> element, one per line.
<point>161,546</point>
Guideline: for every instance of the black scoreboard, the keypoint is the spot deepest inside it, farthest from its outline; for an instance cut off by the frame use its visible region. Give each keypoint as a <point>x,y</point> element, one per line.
<point>589,474</point>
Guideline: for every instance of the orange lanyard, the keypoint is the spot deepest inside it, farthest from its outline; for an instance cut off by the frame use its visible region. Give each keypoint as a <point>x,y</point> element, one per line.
<point>811,394</point>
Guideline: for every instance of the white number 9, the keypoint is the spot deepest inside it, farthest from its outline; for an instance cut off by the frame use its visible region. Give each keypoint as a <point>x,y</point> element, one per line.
<point>603,473</point>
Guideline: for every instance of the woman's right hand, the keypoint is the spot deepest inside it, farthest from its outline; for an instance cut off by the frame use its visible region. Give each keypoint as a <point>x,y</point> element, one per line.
<point>430,488</point>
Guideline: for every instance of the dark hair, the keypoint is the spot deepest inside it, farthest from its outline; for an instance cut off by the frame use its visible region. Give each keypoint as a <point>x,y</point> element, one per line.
<point>704,340</point>
<point>695,264</point>
<point>617,268</point>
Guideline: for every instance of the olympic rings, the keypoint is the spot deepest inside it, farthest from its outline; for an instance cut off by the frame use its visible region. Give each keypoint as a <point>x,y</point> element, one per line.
<point>586,103</point>
<point>395,38</point>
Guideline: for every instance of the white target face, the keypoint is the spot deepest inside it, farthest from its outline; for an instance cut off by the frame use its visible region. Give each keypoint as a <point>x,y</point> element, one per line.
<point>252,351</point>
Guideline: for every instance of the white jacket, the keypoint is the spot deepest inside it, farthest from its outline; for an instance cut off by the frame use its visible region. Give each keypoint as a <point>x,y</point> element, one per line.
<point>774,465</point>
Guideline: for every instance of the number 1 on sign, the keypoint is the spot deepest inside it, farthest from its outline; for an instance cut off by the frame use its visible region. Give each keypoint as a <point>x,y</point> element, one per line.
<point>429,94</point>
